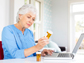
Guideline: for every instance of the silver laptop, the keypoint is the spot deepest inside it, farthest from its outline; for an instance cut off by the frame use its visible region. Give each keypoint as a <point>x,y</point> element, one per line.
<point>66,55</point>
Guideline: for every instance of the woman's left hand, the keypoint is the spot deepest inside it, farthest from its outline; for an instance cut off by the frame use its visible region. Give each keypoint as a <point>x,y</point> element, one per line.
<point>46,52</point>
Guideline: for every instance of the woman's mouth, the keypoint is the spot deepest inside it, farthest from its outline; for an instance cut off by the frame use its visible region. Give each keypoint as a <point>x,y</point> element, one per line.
<point>28,24</point>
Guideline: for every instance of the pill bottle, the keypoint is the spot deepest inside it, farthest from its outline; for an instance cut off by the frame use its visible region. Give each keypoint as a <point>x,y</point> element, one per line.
<point>38,56</point>
<point>49,33</point>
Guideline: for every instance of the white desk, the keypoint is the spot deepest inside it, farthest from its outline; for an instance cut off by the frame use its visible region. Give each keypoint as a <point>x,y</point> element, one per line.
<point>77,59</point>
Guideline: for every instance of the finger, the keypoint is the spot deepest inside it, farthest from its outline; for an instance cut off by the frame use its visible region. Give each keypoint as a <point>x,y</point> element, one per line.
<point>46,38</point>
<point>43,54</point>
<point>48,52</point>
<point>51,52</point>
<point>41,38</point>
<point>45,41</point>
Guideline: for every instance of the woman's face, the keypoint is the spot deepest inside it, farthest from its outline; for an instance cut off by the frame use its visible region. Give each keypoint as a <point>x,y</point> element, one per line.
<point>27,19</point>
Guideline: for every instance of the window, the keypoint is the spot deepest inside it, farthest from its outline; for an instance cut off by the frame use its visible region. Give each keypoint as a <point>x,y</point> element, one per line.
<point>37,26</point>
<point>37,23</point>
<point>77,23</point>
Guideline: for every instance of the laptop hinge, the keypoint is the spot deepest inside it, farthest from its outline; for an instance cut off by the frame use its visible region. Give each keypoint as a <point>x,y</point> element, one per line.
<point>73,55</point>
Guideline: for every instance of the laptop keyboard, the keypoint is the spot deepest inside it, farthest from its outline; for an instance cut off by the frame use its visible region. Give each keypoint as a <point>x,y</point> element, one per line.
<point>63,55</point>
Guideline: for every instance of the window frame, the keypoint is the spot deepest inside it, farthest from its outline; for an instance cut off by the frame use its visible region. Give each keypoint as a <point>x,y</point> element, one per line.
<point>40,21</point>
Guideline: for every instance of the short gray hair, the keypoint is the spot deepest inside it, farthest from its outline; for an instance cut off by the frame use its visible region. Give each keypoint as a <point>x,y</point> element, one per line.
<point>25,9</point>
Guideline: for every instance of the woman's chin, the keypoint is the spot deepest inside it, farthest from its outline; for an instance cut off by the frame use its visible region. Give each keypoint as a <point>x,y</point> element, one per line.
<point>27,27</point>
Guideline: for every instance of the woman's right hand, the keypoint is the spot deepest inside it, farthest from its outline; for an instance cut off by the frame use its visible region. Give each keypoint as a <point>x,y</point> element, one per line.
<point>42,42</point>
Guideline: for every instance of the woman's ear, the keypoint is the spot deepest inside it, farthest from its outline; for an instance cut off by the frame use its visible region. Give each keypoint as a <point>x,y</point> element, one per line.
<point>20,16</point>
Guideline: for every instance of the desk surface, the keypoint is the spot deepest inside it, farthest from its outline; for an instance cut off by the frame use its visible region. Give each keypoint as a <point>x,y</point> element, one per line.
<point>77,59</point>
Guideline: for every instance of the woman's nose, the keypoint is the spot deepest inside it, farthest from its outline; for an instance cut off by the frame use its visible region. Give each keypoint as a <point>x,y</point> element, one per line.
<point>30,20</point>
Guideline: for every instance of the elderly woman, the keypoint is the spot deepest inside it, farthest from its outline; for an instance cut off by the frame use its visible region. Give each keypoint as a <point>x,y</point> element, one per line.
<point>18,40</point>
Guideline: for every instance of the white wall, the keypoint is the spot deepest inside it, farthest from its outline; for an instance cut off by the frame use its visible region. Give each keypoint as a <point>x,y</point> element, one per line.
<point>60,22</point>
<point>17,5</point>
<point>4,14</point>
<point>14,7</point>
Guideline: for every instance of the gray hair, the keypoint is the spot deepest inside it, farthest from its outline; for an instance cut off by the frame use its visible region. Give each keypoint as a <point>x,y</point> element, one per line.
<point>25,9</point>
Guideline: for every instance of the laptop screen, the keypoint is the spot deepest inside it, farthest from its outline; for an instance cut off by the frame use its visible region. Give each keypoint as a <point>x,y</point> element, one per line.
<point>78,43</point>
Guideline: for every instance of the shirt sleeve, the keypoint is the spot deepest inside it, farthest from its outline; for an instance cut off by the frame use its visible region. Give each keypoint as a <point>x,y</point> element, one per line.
<point>9,42</point>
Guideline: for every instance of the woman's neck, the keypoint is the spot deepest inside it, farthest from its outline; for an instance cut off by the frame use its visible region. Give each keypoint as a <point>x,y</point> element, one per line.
<point>21,28</point>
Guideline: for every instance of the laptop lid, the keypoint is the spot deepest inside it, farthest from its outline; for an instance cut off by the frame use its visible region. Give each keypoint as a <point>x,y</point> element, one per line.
<point>78,43</point>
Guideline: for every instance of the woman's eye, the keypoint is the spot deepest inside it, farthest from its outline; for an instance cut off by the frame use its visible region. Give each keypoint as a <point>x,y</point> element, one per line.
<point>33,19</point>
<point>28,17</point>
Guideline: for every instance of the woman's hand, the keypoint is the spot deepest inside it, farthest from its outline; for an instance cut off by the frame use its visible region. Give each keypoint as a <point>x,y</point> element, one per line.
<point>46,52</point>
<point>42,42</point>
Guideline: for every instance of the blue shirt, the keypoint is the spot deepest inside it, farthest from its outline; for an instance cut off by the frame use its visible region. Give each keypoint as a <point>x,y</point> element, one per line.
<point>14,42</point>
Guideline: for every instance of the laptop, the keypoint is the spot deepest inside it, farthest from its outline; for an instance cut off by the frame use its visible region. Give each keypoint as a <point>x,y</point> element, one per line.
<point>66,55</point>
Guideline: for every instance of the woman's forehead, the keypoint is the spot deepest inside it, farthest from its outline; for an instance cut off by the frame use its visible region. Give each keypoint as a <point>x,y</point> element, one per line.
<point>31,14</point>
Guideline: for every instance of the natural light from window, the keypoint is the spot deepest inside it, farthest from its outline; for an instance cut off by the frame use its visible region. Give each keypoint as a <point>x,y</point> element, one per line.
<point>78,7</point>
<point>78,18</point>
